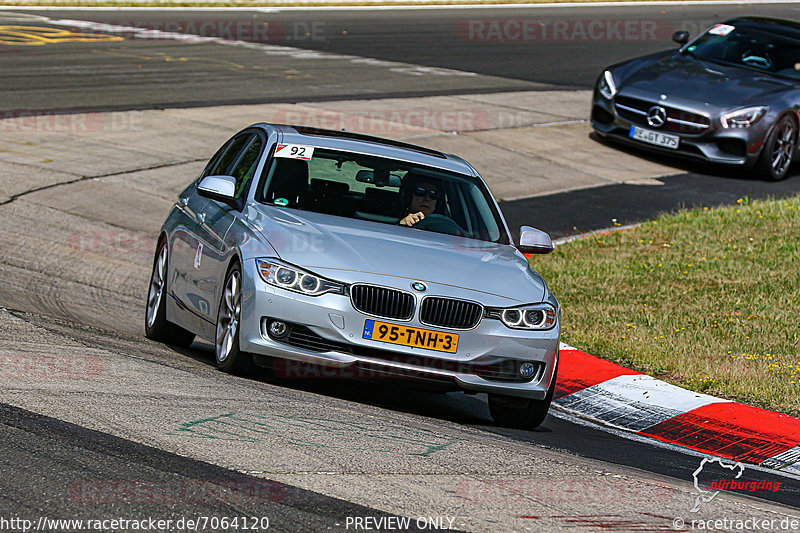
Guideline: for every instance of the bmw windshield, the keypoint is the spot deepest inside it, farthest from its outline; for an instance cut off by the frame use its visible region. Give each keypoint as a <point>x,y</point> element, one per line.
<point>383,191</point>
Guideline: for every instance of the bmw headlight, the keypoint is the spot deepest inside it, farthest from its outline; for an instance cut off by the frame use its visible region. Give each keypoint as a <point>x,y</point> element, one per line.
<point>743,118</point>
<point>531,317</point>
<point>295,279</point>
<point>607,87</point>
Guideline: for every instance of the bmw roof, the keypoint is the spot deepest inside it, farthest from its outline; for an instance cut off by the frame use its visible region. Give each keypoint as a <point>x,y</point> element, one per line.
<point>370,145</point>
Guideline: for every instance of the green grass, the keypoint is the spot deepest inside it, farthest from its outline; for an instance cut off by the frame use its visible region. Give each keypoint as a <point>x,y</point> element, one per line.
<point>707,299</point>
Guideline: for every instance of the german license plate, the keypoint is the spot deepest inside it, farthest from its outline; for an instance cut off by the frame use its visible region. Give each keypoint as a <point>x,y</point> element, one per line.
<point>407,336</point>
<point>654,137</point>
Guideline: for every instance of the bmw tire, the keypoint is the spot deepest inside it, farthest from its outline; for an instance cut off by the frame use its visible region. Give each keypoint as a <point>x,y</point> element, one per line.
<point>521,413</point>
<point>227,355</point>
<point>156,325</point>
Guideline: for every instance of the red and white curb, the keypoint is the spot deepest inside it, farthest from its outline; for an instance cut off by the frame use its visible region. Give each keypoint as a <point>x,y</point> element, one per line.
<point>623,398</point>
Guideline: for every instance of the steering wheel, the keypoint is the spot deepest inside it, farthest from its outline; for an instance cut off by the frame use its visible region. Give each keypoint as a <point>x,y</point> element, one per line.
<point>440,224</point>
<point>755,59</point>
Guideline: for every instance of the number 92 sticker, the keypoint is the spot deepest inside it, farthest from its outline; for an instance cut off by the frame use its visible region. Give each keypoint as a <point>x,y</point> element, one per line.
<point>294,151</point>
<point>721,29</point>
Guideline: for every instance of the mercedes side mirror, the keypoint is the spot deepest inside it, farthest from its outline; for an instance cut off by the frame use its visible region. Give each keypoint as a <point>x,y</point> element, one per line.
<point>681,37</point>
<point>534,241</point>
<point>220,188</point>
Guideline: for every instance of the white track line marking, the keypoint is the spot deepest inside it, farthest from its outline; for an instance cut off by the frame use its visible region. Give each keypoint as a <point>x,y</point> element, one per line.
<point>550,5</point>
<point>269,49</point>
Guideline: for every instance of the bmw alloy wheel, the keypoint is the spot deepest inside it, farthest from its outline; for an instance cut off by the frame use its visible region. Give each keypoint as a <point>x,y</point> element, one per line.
<point>228,320</point>
<point>156,325</point>
<point>156,287</point>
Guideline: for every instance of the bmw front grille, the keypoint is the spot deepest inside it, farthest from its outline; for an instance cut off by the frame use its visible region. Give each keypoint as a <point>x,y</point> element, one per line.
<point>450,313</point>
<point>382,301</point>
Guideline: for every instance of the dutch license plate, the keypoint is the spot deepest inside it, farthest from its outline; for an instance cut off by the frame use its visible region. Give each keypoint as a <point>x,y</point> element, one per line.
<point>408,336</point>
<point>654,137</point>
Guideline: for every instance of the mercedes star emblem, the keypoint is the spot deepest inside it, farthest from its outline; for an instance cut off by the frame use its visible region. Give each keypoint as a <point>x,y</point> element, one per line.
<point>656,116</point>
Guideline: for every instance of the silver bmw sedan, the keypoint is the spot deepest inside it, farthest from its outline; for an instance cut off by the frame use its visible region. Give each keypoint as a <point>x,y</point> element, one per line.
<point>302,248</point>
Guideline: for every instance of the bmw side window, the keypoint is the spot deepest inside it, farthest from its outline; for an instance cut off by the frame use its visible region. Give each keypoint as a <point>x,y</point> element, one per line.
<point>246,166</point>
<point>223,167</point>
<point>212,164</point>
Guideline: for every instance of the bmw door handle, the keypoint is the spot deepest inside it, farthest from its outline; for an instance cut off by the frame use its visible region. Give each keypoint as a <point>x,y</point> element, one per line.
<point>201,218</point>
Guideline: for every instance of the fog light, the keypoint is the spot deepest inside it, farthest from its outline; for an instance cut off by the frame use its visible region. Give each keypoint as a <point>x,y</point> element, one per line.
<point>278,329</point>
<point>526,370</point>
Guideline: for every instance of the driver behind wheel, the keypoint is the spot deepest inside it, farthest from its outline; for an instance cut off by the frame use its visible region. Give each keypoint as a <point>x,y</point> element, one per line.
<point>421,197</point>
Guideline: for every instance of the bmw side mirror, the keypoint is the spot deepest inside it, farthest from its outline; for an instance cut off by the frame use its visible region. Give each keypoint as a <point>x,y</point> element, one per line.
<point>681,37</point>
<point>220,188</point>
<point>534,241</point>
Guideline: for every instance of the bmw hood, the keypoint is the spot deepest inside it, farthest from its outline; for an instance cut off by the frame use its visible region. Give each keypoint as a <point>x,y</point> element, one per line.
<point>684,79</point>
<point>320,242</point>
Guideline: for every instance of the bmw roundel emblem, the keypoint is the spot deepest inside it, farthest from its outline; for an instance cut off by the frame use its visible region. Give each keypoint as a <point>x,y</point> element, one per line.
<point>419,287</point>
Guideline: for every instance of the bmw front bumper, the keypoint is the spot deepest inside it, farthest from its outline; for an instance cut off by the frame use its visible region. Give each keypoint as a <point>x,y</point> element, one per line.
<point>329,333</point>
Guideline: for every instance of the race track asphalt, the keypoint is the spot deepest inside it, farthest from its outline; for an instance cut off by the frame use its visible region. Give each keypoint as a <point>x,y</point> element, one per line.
<point>95,476</point>
<point>160,73</point>
<point>324,55</point>
<point>557,49</point>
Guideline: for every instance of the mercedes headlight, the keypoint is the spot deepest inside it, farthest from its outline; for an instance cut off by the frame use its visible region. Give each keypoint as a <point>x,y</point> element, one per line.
<point>607,86</point>
<point>531,317</point>
<point>295,279</point>
<point>743,118</point>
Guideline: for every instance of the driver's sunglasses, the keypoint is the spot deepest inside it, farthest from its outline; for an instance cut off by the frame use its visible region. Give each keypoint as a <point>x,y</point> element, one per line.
<point>433,194</point>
